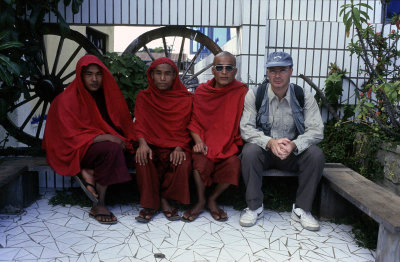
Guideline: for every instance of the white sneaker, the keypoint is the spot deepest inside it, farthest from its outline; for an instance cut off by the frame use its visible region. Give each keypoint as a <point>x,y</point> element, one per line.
<point>249,217</point>
<point>306,220</point>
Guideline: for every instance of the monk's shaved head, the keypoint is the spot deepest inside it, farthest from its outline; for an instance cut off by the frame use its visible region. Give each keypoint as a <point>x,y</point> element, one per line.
<point>225,53</point>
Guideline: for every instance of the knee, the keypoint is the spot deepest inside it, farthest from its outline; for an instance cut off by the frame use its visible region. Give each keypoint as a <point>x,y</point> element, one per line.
<point>315,154</point>
<point>251,152</point>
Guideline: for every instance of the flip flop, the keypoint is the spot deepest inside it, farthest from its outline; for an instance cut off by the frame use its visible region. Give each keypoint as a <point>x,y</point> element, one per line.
<point>172,215</point>
<point>111,216</point>
<point>190,214</point>
<point>83,184</point>
<point>144,213</point>
<point>218,215</point>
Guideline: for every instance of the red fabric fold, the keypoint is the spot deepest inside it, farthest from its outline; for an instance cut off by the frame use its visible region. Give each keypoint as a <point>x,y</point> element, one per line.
<point>216,117</point>
<point>162,116</point>
<point>73,120</point>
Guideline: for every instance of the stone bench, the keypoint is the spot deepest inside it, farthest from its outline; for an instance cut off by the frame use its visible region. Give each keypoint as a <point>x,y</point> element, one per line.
<point>341,185</point>
<point>19,185</point>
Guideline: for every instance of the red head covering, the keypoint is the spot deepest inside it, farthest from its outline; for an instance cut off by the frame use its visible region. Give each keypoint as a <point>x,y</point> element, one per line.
<point>74,120</point>
<point>216,117</point>
<point>162,116</point>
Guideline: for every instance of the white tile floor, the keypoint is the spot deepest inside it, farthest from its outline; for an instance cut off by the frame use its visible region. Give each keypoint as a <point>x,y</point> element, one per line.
<point>55,233</point>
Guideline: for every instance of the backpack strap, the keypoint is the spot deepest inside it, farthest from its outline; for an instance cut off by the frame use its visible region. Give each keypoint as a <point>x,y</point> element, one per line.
<point>260,94</point>
<point>299,92</point>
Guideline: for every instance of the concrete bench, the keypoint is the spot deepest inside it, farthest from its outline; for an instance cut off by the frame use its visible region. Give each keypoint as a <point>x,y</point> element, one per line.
<point>19,185</point>
<point>341,185</point>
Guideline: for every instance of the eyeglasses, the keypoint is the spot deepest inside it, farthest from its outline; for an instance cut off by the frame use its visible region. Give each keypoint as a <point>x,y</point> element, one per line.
<point>275,71</point>
<point>228,68</point>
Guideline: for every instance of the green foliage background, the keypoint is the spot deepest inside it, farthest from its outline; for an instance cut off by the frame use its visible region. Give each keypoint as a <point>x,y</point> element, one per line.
<point>130,73</point>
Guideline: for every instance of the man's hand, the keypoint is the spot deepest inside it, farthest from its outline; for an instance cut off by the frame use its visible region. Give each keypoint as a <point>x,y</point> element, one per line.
<point>282,147</point>
<point>177,156</point>
<point>142,152</point>
<point>200,148</point>
<point>110,138</point>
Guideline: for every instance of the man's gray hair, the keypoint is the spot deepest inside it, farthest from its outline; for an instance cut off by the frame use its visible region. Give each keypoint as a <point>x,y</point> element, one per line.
<point>225,53</point>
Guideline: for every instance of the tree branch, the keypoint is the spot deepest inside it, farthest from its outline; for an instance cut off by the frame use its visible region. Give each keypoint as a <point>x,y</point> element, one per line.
<point>379,122</point>
<point>322,95</point>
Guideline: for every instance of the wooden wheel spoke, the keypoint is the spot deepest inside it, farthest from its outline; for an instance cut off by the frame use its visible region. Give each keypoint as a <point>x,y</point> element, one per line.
<point>67,76</point>
<point>149,53</point>
<point>165,46</point>
<point>181,53</point>
<point>198,73</point>
<point>193,60</point>
<point>69,61</point>
<point>46,65</point>
<point>31,114</point>
<point>59,48</point>
<point>41,120</point>
<point>22,103</point>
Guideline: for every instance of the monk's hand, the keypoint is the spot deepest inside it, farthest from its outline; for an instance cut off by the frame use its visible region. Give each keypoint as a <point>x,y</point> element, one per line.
<point>177,156</point>
<point>143,153</point>
<point>275,146</point>
<point>200,148</point>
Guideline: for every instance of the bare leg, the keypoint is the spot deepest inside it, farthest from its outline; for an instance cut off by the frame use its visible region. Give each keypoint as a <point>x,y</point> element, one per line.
<point>88,176</point>
<point>165,206</point>
<point>212,204</point>
<point>199,207</point>
<point>101,208</point>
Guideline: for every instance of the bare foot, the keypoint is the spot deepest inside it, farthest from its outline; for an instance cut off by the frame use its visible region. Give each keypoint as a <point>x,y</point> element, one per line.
<point>165,206</point>
<point>88,176</point>
<point>216,212</point>
<point>103,215</point>
<point>192,214</point>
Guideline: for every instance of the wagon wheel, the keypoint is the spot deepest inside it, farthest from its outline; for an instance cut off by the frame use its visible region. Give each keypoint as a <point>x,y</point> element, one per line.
<point>49,80</point>
<point>184,34</point>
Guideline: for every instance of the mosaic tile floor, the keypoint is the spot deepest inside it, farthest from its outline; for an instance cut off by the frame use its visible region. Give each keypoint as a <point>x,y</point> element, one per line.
<point>55,233</point>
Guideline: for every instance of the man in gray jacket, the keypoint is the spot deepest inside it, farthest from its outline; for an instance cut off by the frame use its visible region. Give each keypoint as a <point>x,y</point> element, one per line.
<point>281,133</point>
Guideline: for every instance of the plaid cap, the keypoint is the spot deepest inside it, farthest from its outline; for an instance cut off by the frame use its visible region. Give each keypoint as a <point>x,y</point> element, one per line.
<point>279,59</point>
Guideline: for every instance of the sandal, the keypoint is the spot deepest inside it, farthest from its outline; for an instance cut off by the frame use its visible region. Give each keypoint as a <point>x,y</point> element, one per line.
<point>111,216</point>
<point>190,214</point>
<point>146,212</point>
<point>84,186</point>
<point>172,215</point>
<point>219,215</point>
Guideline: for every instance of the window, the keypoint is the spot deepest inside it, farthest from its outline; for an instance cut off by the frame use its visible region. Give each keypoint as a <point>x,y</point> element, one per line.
<point>392,8</point>
<point>98,38</point>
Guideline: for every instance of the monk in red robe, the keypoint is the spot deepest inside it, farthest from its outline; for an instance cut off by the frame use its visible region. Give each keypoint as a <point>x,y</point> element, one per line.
<point>87,131</point>
<point>163,158</point>
<point>214,126</point>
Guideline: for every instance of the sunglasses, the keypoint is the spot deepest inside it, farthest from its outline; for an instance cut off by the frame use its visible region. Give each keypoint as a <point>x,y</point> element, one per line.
<point>228,68</point>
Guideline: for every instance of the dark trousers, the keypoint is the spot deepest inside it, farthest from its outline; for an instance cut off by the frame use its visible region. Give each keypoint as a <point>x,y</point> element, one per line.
<point>108,162</point>
<point>309,164</point>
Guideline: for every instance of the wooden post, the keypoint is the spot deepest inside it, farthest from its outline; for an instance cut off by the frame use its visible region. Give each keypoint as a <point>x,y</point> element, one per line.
<point>388,248</point>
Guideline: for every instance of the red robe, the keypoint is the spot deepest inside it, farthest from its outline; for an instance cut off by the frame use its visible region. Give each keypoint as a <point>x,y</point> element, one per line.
<point>73,120</point>
<point>216,117</point>
<point>162,116</point>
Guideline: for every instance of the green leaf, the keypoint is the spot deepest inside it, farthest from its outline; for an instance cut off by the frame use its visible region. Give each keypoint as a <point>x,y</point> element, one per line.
<point>365,5</point>
<point>356,18</point>
<point>364,15</point>
<point>5,76</point>
<point>369,104</point>
<point>11,66</point>
<point>75,5</point>
<point>11,44</point>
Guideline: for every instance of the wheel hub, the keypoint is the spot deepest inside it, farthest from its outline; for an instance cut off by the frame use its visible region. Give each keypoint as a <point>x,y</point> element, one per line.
<point>48,88</point>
